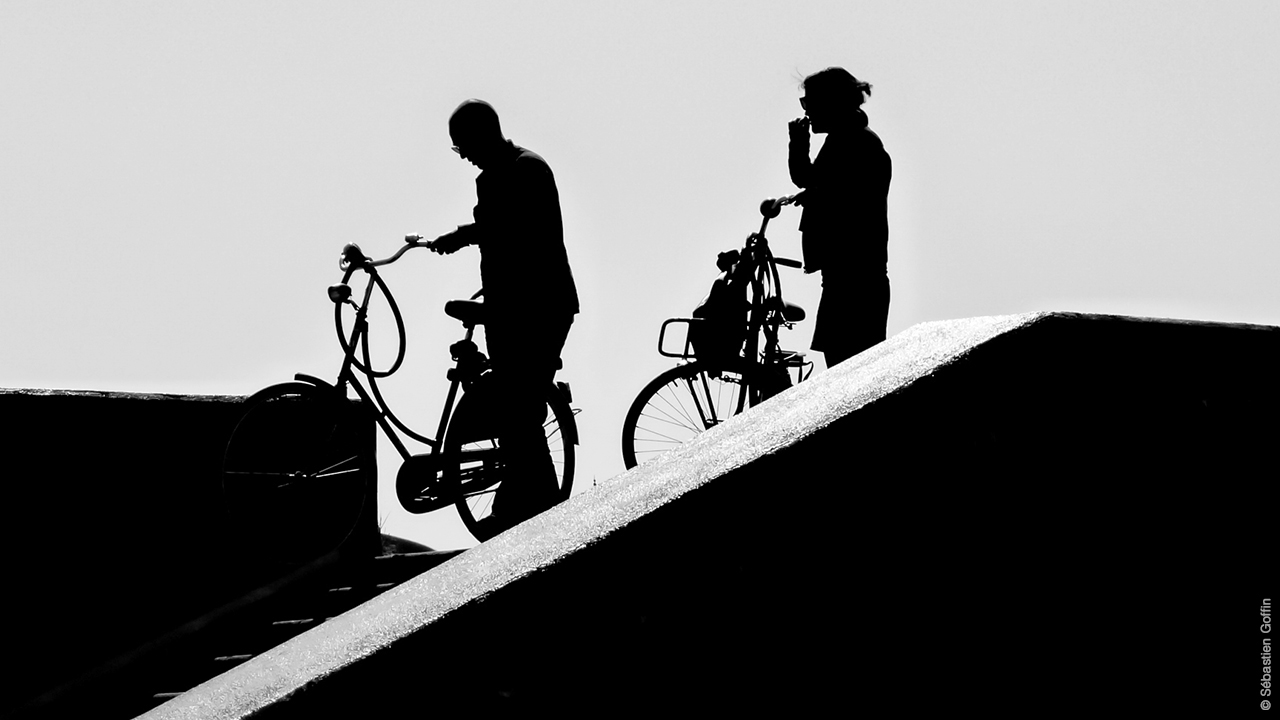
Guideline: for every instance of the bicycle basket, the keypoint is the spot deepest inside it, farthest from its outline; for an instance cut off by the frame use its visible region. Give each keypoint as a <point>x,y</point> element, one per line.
<point>723,312</point>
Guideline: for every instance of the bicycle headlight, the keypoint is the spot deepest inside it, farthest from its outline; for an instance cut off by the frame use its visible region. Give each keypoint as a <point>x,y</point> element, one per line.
<point>340,293</point>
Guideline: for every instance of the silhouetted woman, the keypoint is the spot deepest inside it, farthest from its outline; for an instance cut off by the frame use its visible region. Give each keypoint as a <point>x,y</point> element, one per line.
<point>845,227</point>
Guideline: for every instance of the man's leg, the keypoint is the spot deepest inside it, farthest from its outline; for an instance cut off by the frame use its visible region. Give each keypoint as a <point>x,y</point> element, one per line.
<point>524,369</point>
<point>529,483</point>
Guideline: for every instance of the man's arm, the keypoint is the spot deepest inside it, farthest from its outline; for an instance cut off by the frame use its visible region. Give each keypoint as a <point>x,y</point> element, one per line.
<point>525,196</point>
<point>452,242</point>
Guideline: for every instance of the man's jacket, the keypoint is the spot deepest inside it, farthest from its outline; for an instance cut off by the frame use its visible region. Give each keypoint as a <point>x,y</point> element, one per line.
<point>518,228</point>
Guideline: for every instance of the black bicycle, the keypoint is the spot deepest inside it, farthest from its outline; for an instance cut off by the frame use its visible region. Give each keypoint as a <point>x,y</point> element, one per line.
<point>731,358</point>
<point>298,447</point>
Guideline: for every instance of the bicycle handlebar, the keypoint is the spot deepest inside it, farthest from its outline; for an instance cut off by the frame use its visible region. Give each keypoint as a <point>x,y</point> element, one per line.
<point>770,207</point>
<point>353,257</point>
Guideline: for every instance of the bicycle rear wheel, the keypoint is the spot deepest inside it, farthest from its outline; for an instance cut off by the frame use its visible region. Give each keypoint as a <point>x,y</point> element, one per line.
<point>297,472</point>
<point>474,466</point>
<point>679,404</point>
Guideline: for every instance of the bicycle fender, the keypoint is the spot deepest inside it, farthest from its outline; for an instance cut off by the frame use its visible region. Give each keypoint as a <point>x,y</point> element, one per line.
<point>303,382</point>
<point>570,429</point>
<point>312,380</point>
<point>571,432</point>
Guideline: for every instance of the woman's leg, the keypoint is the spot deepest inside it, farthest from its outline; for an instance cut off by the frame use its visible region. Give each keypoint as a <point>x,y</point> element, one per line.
<point>852,316</point>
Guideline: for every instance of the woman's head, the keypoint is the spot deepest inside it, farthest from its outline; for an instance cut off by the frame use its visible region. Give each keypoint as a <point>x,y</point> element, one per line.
<point>833,97</point>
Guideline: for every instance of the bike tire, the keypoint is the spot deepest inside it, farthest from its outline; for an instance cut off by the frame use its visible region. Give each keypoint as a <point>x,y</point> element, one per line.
<point>297,472</point>
<point>678,405</point>
<point>472,457</point>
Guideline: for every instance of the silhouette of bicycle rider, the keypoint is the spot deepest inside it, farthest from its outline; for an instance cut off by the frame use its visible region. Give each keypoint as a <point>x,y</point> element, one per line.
<point>529,299</point>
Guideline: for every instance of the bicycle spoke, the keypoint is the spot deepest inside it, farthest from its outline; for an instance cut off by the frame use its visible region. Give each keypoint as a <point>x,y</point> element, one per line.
<point>679,405</point>
<point>667,421</point>
<point>680,419</point>
<point>293,452</point>
<point>337,473</point>
<point>330,470</point>
<point>655,436</point>
<point>478,468</point>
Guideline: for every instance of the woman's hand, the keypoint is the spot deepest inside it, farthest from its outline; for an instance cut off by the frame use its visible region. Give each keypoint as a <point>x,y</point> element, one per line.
<point>799,128</point>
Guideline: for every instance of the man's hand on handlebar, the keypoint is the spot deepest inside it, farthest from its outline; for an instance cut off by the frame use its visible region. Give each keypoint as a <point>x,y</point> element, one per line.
<point>416,240</point>
<point>448,243</point>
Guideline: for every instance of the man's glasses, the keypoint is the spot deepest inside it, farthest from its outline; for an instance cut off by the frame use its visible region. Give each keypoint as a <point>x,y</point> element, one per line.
<point>456,149</point>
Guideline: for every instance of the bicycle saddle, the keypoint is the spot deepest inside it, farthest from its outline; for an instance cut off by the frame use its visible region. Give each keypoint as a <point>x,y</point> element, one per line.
<point>790,311</point>
<point>470,312</point>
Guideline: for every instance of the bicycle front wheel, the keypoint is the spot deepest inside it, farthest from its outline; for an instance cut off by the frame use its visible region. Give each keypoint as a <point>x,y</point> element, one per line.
<point>297,472</point>
<point>475,466</point>
<point>679,404</point>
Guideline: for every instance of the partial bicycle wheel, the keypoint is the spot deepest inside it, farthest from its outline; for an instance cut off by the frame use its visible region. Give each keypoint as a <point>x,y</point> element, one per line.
<point>679,404</point>
<point>474,462</point>
<point>297,472</point>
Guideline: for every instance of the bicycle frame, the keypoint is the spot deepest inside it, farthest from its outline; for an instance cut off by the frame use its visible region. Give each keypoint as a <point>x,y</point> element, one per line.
<point>768,315</point>
<point>704,390</point>
<point>347,375</point>
<point>465,464</point>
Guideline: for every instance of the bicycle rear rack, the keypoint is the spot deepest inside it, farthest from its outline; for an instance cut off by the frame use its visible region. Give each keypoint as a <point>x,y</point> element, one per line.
<point>788,359</point>
<point>687,353</point>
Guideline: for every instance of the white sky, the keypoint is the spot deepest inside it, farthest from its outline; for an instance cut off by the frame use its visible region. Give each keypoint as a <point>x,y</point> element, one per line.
<point>177,178</point>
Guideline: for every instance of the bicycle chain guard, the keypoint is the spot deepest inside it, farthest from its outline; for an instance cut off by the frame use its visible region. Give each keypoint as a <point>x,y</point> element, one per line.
<point>418,484</point>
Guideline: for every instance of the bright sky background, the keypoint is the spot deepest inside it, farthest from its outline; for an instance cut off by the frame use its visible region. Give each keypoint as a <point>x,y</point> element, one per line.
<point>177,178</point>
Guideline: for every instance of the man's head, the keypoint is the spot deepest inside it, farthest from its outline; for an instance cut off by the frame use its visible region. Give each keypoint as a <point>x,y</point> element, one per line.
<point>476,132</point>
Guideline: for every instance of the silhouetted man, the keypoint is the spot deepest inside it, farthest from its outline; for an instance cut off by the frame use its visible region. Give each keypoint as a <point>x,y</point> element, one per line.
<point>529,297</point>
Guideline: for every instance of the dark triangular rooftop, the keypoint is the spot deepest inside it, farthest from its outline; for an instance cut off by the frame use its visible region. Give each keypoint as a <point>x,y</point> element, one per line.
<point>901,528</point>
